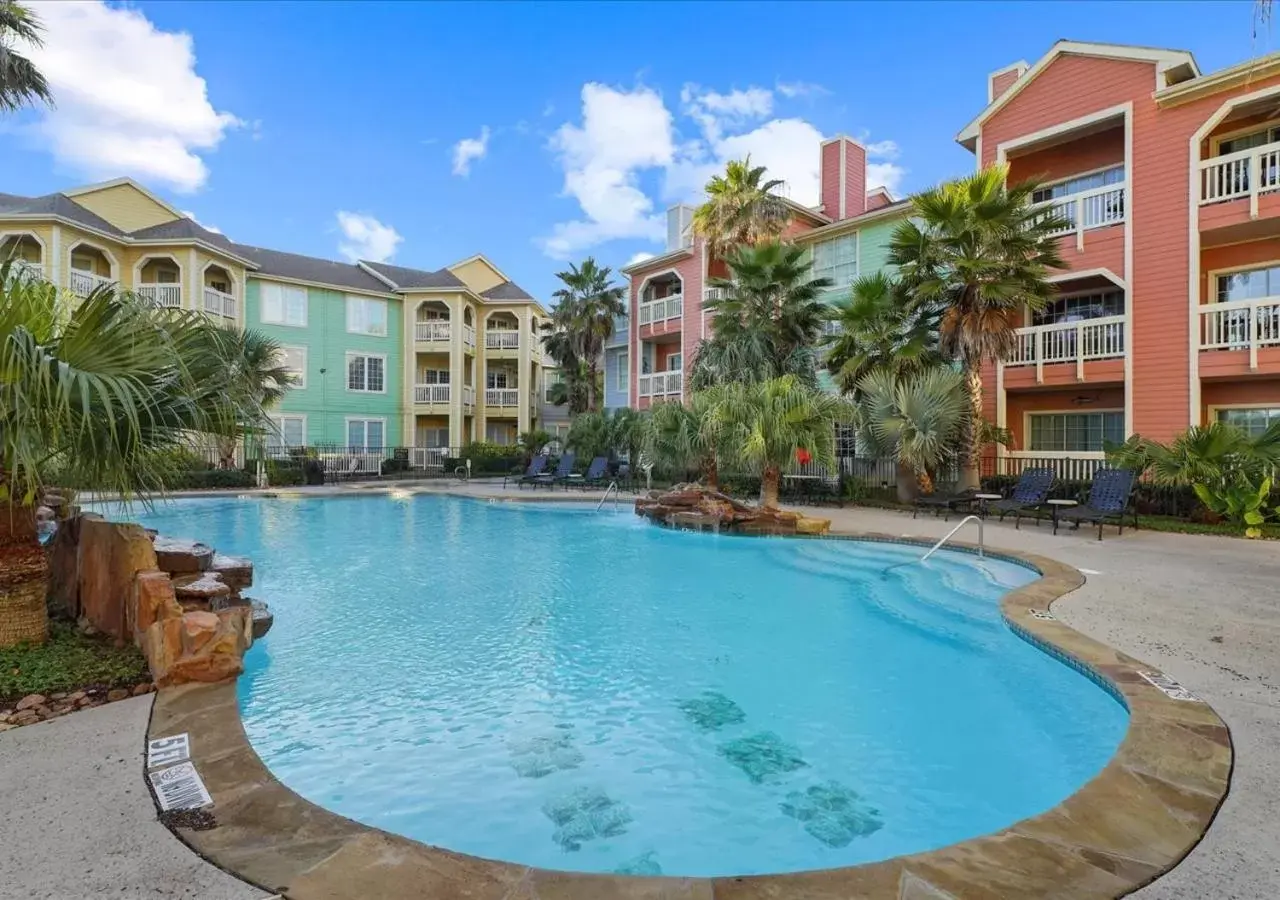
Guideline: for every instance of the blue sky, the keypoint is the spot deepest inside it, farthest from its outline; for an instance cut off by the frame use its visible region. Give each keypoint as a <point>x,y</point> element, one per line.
<point>325,127</point>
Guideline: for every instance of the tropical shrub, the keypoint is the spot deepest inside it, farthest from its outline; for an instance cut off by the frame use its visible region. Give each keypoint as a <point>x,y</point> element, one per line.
<point>1240,503</point>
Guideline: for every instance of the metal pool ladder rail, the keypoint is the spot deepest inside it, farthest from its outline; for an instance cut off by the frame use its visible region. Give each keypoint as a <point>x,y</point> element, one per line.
<point>946,537</point>
<point>613,486</point>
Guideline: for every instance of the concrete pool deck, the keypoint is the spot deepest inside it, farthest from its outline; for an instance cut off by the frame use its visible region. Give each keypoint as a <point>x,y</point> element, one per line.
<point>1200,608</point>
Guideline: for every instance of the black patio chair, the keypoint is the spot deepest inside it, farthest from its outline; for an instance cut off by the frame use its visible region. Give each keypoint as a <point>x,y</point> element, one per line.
<point>1109,500</point>
<point>1029,495</point>
<point>563,470</point>
<point>531,474</point>
<point>945,502</point>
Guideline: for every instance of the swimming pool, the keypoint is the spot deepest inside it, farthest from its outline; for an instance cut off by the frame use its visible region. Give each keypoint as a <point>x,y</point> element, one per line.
<point>589,692</point>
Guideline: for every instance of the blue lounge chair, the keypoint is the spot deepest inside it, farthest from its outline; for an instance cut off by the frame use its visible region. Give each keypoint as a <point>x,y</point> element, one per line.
<point>531,474</point>
<point>563,470</point>
<point>595,474</point>
<point>1029,495</point>
<point>1109,500</point>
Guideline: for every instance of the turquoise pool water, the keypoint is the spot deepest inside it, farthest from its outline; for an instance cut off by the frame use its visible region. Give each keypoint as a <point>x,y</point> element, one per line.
<point>577,691</point>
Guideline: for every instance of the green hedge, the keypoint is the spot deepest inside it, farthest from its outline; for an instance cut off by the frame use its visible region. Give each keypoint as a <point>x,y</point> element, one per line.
<point>209,479</point>
<point>486,459</point>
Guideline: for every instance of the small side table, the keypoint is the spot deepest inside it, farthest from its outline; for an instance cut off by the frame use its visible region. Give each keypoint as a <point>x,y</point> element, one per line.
<point>1056,505</point>
<point>983,499</point>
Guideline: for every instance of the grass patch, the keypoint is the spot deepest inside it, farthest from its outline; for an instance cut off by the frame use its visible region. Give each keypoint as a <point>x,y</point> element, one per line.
<point>66,662</point>
<point>1270,531</point>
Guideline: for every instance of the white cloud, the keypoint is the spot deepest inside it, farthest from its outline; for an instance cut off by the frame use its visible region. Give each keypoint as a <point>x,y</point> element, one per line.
<point>793,89</point>
<point>883,149</point>
<point>129,101</point>
<point>638,258</point>
<point>468,150</point>
<point>366,238</point>
<point>192,216</point>
<point>887,175</point>
<point>714,112</point>
<point>622,133</point>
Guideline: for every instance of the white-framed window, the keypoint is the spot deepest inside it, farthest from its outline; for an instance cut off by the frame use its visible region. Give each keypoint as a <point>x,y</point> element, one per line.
<point>496,378</point>
<point>837,259</point>
<point>367,315</point>
<point>366,373</point>
<point>295,360</point>
<point>675,362</point>
<point>1058,432</point>
<point>366,434</point>
<point>1081,306</point>
<point>550,378</point>
<point>1250,284</point>
<point>499,433</point>
<point>1267,135</point>
<point>621,372</point>
<point>1078,184</point>
<point>288,431</point>
<point>1252,421</point>
<point>282,304</point>
<point>433,376</point>
<point>433,436</point>
<point>82,263</point>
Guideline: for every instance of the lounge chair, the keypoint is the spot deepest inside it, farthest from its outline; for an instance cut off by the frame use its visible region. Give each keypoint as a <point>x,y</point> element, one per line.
<point>1029,495</point>
<point>946,502</point>
<point>531,474</point>
<point>1109,499</point>
<point>563,470</point>
<point>596,474</point>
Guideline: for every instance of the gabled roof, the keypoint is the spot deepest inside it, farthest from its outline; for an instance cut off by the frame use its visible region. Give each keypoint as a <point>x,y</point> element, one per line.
<point>508,290</point>
<point>309,268</point>
<point>186,230</point>
<point>406,279</point>
<point>1180,62</point>
<point>56,205</point>
<point>117,182</point>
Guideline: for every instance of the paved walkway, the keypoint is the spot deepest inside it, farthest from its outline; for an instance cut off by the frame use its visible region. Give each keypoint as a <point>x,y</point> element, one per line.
<point>79,823</point>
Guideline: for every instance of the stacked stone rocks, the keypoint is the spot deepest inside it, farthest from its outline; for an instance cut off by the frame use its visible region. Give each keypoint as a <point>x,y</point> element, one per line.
<point>693,507</point>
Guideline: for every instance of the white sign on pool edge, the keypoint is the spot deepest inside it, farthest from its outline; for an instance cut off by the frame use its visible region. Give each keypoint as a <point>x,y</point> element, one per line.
<point>169,750</point>
<point>180,787</point>
<point>1168,686</point>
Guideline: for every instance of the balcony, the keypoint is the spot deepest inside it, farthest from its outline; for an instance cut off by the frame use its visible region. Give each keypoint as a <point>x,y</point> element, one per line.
<point>431,394</point>
<point>1095,208</point>
<point>1244,174</point>
<point>166,296</point>
<point>502,397</point>
<point>85,283</point>
<point>24,268</point>
<point>714,294</point>
<point>653,311</point>
<point>468,395</point>
<point>219,303</point>
<point>1244,326</point>
<point>662,384</point>
<point>430,332</point>
<point>469,335</point>
<point>1070,343</point>
<point>502,340</point>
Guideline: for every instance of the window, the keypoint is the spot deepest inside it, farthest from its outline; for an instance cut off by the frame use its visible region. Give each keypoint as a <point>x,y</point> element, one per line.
<point>1253,421</point>
<point>289,431</point>
<point>365,433</point>
<point>496,378</point>
<point>433,436</point>
<point>283,304</point>
<point>675,362</point>
<point>1078,184</point>
<point>366,315</point>
<point>1249,141</point>
<point>837,259</point>
<point>433,376</point>
<point>1249,285</point>
<point>366,373</point>
<point>1081,306</point>
<point>621,373</point>
<point>1075,432</point>
<point>550,378</point>
<point>166,276</point>
<point>82,263</point>
<point>295,360</point>
<point>499,433</point>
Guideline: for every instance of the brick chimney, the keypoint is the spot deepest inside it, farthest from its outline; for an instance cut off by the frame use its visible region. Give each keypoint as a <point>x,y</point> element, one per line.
<point>843,178</point>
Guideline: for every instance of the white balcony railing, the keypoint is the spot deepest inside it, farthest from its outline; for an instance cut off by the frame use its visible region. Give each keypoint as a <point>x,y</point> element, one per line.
<point>469,335</point>
<point>435,330</point>
<point>24,268</point>
<point>219,303</point>
<point>1094,208</point>
<point>85,283</point>
<point>714,294</point>
<point>168,296</point>
<point>1245,173</point>
<point>1241,325</point>
<point>652,311</point>
<point>502,397</point>
<point>431,393</point>
<point>468,395</point>
<point>661,384</point>
<point>1069,342</point>
<point>502,340</point>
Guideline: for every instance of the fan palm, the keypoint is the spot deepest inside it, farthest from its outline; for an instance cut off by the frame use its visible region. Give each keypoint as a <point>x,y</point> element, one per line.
<point>21,83</point>
<point>977,251</point>
<point>879,329</point>
<point>1214,455</point>
<point>684,438</point>
<point>917,418</point>
<point>742,207</point>
<point>245,372</point>
<point>763,426</point>
<point>582,322</point>
<point>767,320</point>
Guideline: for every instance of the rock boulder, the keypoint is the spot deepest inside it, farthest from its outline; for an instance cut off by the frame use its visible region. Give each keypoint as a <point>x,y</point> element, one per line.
<point>110,555</point>
<point>235,571</point>
<point>694,507</point>
<point>198,646</point>
<point>179,556</point>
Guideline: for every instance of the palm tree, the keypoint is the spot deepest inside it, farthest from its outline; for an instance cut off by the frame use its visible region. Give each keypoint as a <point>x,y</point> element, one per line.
<point>918,418</point>
<point>767,321</point>
<point>582,322</point>
<point>21,83</point>
<point>880,329</point>
<point>684,438</point>
<point>977,251</point>
<point>764,425</point>
<point>741,208</point>
<point>246,370</point>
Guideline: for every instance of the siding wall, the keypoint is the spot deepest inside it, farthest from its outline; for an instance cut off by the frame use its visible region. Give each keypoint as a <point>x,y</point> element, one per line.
<point>325,400</point>
<point>125,207</point>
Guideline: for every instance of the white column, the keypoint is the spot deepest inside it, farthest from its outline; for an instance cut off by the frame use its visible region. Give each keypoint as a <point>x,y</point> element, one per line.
<point>54,262</point>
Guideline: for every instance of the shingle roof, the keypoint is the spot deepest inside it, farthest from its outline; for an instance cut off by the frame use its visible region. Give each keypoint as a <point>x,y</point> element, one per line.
<point>181,230</point>
<point>56,205</point>
<point>407,279</point>
<point>309,268</point>
<point>508,290</point>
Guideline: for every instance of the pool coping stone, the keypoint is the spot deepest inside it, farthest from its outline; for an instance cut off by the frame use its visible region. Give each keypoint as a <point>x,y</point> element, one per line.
<point>1132,822</point>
